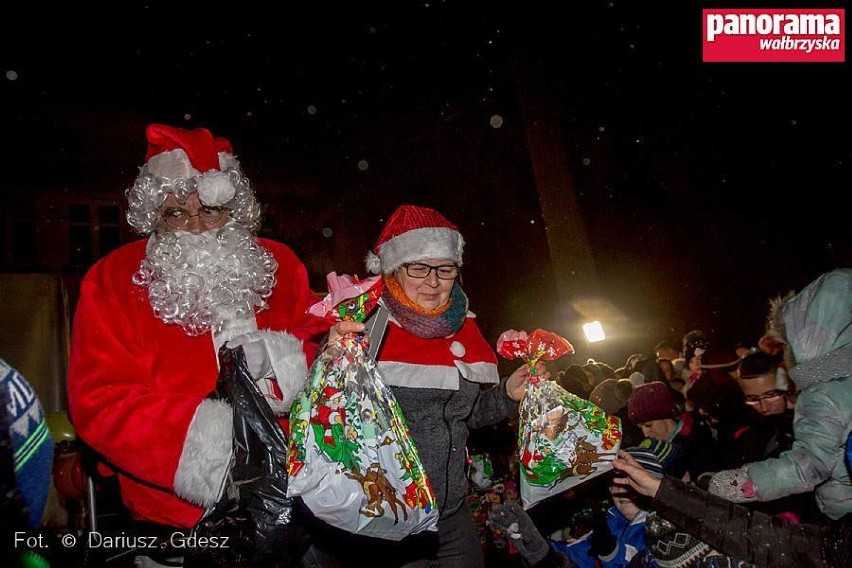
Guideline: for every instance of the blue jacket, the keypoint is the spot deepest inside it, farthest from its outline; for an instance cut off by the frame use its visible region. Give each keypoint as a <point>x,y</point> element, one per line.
<point>629,535</point>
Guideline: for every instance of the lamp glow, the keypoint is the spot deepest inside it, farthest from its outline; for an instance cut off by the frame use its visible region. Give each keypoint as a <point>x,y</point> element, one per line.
<point>594,331</point>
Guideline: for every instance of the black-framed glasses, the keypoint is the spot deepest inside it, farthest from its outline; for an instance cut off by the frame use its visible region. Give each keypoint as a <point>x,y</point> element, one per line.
<point>754,399</point>
<point>420,270</point>
<point>178,218</point>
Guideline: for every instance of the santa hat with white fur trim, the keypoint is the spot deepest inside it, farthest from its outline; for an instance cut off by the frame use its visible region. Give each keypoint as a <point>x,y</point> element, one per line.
<point>179,153</point>
<point>411,234</point>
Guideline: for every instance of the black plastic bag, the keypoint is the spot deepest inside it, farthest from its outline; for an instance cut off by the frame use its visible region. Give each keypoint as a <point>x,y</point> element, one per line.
<point>254,511</point>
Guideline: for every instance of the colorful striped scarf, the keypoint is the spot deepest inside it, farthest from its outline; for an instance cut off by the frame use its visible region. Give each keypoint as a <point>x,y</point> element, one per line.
<point>418,321</point>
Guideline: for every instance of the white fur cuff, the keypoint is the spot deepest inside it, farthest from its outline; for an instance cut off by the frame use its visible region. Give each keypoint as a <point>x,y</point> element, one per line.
<point>173,164</point>
<point>288,363</point>
<point>206,453</point>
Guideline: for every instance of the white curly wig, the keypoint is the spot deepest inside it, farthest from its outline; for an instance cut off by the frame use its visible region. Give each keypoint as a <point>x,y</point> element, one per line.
<point>148,192</point>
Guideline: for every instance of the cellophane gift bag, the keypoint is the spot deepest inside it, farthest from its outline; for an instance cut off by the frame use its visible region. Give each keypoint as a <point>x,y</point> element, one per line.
<point>351,457</point>
<point>563,440</point>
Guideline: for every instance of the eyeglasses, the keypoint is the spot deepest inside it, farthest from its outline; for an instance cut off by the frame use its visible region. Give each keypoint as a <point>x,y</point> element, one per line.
<point>420,270</point>
<point>178,218</point>
<point>754,399</point>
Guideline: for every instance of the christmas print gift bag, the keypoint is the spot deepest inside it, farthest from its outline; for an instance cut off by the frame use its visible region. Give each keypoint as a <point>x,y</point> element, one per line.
<point>351,456</point>
<point>563,439</point>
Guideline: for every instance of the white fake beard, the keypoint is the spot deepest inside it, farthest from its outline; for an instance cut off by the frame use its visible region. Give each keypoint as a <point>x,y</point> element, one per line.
<point>199,282</point>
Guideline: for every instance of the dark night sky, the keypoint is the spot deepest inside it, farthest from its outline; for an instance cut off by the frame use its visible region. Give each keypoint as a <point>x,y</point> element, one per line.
<point>705,188</point>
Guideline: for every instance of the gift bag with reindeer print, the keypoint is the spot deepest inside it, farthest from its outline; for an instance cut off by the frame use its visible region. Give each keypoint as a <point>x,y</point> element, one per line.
<point>351,457</point>
<point>563,440</point>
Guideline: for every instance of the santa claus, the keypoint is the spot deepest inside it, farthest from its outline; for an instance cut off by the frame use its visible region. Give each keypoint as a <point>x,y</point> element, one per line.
<point>153,314</point>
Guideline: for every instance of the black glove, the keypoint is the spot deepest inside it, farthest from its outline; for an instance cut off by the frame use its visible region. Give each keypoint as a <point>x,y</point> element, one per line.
<point>518,528</point>
<point>602,541</point>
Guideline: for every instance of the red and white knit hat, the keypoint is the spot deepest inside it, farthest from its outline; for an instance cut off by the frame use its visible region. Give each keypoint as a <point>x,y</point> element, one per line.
<point>414,233</point>
<point>179,153</point>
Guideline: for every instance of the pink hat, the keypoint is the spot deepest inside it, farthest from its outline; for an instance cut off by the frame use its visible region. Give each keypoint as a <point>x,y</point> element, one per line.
<point>175,153</point>
<point>414,233</point>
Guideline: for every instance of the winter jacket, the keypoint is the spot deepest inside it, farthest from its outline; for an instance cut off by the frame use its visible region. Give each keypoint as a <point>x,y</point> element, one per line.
<point>629,539</point>
<point>440,416</point>
<point>752,536</point>
<point>439,420</point>
<point>817,324</point>
<point>444,386</point>
<point>698,450</point>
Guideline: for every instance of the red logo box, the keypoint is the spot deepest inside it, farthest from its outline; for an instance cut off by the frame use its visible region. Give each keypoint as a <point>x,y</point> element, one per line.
<point>777,35</point>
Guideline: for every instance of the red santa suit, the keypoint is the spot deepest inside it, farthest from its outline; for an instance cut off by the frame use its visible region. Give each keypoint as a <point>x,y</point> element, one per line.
<point>137,387</point>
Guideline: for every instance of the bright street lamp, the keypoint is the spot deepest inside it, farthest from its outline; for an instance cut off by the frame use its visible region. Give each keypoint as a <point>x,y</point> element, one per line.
<point>594,331</point>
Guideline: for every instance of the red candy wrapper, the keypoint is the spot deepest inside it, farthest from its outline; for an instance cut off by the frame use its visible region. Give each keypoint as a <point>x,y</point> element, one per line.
<point>540,345</point>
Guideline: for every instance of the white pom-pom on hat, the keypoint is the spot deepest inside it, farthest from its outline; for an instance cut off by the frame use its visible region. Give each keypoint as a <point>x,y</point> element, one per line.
<point>215,188</point>
<point>179,153</point>
<point>373,263</point>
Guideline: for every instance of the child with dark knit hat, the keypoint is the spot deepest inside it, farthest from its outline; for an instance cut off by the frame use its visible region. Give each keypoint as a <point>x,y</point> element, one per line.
<point>652,407</point>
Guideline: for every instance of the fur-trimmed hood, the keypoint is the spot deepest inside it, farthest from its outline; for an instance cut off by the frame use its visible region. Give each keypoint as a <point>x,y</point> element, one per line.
<point>816,323</point>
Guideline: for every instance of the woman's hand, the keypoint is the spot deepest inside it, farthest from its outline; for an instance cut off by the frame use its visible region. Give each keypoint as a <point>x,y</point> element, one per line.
<point>636,476</point>
<point>341,328</point>
<point>516,385</point>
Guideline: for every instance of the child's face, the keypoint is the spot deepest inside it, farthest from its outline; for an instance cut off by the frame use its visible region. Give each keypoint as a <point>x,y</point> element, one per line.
<point>657,429</point>
<point>762,394</point>
<point>625,505</point>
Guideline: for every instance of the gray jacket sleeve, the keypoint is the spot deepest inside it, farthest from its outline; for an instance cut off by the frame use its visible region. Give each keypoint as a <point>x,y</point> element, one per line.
<point>749,535</point>
<point>492,406</point>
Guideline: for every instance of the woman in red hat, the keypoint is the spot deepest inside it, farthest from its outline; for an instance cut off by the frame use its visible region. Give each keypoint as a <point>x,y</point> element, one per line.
<point>442,372</point>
